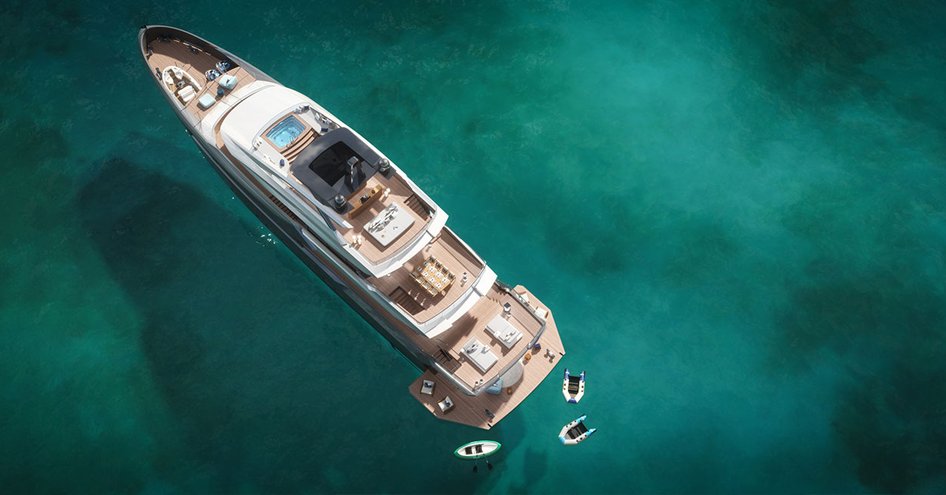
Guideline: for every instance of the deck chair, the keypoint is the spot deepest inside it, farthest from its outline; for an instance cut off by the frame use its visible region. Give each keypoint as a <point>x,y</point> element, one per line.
<point>445,405</point>
<point>427,388</point>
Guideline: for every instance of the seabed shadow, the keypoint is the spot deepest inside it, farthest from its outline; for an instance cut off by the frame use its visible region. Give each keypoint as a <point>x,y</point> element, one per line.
<point>263,367</point>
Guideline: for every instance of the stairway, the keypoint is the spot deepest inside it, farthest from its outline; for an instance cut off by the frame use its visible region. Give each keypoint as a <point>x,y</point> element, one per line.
<point>447,361</point>
<point>296,147</point>
<point>415,204</point>
<point>403,299</point>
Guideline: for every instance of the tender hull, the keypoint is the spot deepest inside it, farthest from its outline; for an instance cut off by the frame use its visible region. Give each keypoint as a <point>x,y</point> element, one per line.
<point>477,450</point>
<point>573,388</point>
<point>568,437</point>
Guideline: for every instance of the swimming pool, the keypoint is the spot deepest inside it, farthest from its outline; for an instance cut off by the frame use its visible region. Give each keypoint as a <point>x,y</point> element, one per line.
<point>285,131</point>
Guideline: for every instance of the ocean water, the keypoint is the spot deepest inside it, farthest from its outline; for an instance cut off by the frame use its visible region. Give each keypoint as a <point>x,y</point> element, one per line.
<point>736,210</point>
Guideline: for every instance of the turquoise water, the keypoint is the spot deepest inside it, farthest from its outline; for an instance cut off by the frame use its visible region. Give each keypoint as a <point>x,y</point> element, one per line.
<point>736,211</point>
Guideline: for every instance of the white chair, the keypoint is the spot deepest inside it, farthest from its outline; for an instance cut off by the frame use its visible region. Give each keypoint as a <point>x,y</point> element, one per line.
<point>445,405</point>
<point>427,388</point>
<point>228,82</point>
<point>186,94</point>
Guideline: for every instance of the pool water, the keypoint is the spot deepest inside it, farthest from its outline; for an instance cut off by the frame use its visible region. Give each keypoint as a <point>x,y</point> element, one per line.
<point>285,132</point>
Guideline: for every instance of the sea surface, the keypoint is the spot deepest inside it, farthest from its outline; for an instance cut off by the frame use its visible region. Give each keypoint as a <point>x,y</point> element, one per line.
<point>735,209</point>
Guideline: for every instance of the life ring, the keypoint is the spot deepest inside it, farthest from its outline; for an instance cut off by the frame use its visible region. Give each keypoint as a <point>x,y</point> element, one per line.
<point>528,357</point>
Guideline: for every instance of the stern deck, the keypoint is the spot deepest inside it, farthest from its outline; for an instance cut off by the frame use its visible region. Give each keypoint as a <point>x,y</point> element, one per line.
<point>476,411</point>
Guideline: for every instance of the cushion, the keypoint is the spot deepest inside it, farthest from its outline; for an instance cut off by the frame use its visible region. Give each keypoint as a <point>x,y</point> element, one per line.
<point>227,82</point>
<point>206,101</point>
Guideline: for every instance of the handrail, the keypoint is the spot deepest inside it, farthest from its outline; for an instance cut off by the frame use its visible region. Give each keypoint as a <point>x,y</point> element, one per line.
<point>462,386</point>
<point>531,344</point>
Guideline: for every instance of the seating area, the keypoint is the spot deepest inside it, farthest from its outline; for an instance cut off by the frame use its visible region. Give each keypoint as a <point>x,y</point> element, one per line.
<point>366,200</point>
<point>503,331</point>
<point>186,94</point>
<point>445,405</point>
<point>179,82</point>
<point>391,223</point>
<point>480,354</point>
<point>433,277</point>
<point>427,387</point>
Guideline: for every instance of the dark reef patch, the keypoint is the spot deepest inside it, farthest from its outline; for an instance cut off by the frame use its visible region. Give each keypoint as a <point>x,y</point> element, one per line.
<point>252,355</point>
<point>877,309</point>
<point>894,425</point>
<point>598,250</point>
<point>700,250</point>
<point>234,337</point>
<point>33,144</point>
<point>886,327</point>
<point>811,51</point>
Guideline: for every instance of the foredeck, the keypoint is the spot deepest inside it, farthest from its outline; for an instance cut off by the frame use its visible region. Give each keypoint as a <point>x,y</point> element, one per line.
<point>166,52</point>
<point>485,410</point>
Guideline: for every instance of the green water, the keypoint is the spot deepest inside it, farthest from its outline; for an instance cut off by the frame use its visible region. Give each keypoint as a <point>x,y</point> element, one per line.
<point>736,212</point>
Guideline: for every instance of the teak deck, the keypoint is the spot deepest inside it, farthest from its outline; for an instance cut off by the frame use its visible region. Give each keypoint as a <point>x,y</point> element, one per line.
<point>481,411</point>
<point>448,250</point>
<point>400,193</point>
<point>472,411</point>
<point>196,63</point>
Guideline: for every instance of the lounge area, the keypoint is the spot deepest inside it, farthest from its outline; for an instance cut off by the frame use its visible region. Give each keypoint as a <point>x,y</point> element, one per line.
<point>377,227</point>
<point>479,354</point>
<point>450,269</point>
<point>503,331</point>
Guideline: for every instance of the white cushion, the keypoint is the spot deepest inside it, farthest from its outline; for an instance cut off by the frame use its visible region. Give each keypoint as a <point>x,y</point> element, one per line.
<point>228,82</point>
<point>186,94</point>
<point>206,101</point>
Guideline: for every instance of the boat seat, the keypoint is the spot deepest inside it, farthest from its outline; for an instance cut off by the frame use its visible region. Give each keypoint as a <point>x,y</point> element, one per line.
<point>206,101</point>
<point>186,94</point>
<point>445,405</point>
<point>227,82</point>
<point>427,388</point>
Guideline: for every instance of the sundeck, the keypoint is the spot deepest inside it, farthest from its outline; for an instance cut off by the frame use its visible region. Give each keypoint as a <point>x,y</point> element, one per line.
<point>360,223</point>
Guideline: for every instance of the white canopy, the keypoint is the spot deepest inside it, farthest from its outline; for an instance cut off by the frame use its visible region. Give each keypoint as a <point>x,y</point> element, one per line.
<point>257,112</point>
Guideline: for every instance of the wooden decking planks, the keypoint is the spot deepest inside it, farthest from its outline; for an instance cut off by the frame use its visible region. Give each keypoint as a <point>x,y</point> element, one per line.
<point>471,411</point>
<point>296,147</point>
<point>457,264</point>
<point>174,52</point>
<point>371,249</point>
<point>473,325</point>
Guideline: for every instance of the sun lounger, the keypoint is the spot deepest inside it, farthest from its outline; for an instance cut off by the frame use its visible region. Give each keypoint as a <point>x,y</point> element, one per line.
<point>505,333</point>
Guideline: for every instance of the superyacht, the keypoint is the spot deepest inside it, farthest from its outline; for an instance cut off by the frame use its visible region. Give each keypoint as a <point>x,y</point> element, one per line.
<point>360,223</point>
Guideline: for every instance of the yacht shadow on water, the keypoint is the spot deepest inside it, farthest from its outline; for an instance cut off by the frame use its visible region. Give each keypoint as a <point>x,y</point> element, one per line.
<point>265,371</point>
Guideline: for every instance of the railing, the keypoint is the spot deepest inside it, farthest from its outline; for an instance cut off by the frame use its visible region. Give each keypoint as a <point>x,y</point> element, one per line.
<point>508,290</point>
<point>456,381</point>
